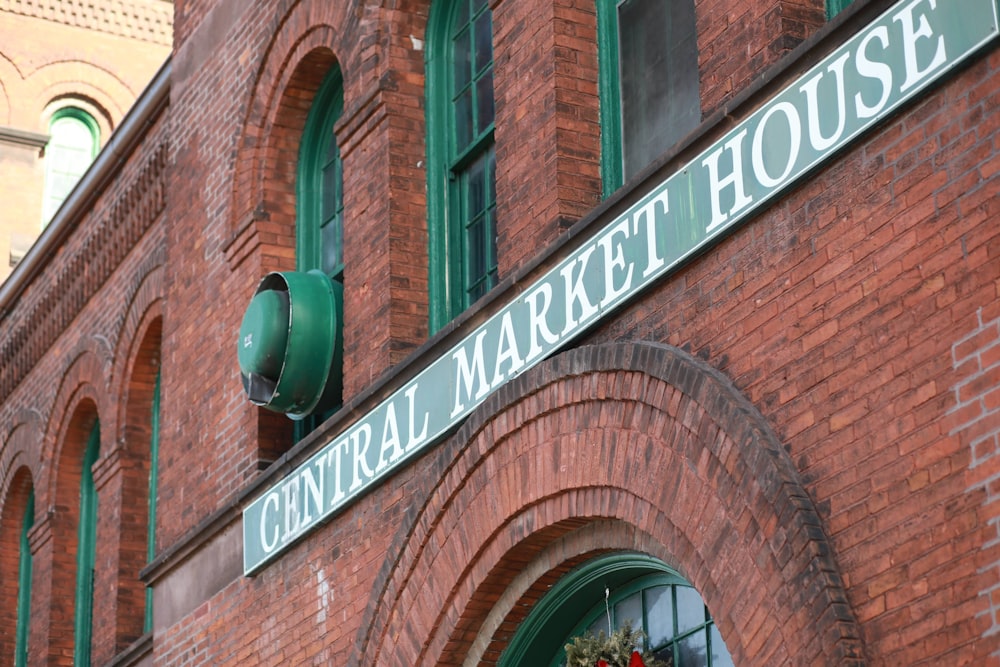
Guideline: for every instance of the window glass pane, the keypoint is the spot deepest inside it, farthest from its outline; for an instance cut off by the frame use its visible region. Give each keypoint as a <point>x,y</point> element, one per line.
<point>462,60</point>
<point>477,186</point>
<point>660,613</point>
<point>658,73</point>
<point>463,120</point>
<point>690,609</point>
<point>332,256</point>
<point>68,154</point>
<point>484,102</point>
<point>693,650</point>
<point>720,654</point>
<point>484,41</point>
<point>461,13</point>
<point>629,609</point>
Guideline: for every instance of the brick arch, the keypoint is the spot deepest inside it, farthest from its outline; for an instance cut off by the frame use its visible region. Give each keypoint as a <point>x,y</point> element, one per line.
<point>651,450</point>
<point>109,97</point>
<point>300,53</point>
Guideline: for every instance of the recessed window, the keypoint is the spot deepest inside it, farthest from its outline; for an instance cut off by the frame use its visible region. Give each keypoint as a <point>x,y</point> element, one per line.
<point>73,144</point>
<point>319,230</point>
<point>24,586</point>
<point>461,168</point>
<point>86,549</point>
<point>649,82</point>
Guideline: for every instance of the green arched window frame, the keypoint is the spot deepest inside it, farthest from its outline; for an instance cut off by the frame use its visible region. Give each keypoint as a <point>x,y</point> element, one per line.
<point>154,468</point>
<point>319,225</point>
<point>86,551</point>
<point>24,585</point>
<point>75,138</point>
<point>577,601</point>
<point>320,184</point>
<point>461,157</point>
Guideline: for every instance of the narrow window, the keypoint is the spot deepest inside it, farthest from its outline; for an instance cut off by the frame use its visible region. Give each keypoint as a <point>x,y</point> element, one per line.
<point>24,586</point>
<point>461,157</point>
<point>154,455</point>
<point>320,201</point>
<point>648,82</point>
<point>86,550</point>
<point>73,144</point>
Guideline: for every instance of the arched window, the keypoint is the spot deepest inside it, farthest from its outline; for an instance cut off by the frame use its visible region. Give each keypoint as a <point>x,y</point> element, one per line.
<point>24,585</point>
<point>461,158</point>
<point>73,144</point>
<point>320,200</point>
<point>648,82</point>
<point>86,550</point>
<point>609,591</point>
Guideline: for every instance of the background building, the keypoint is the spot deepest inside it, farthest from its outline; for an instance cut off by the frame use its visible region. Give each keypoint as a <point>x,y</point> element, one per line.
<point>681,312</point>
<point>69,71</point>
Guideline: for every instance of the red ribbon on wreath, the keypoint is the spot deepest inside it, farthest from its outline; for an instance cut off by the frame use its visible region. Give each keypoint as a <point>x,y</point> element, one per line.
<point>635,661</point>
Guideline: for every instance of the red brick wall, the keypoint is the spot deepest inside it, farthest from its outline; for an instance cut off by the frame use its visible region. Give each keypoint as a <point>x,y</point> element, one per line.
<point>851,325</point>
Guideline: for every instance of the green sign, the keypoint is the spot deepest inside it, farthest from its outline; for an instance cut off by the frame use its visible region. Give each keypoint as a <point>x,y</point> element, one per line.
<point>890,61</point>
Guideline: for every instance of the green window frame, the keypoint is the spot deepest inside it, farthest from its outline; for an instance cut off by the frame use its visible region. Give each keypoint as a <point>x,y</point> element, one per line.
<point>86,547</point>
<point>24,568</point>
<point>154,472</point>
<point>461,157</point>
<point>834,7</point>
<point>619,585</point>
<point>319,224</point>
<point>74,140</point>
<point>648,86</point>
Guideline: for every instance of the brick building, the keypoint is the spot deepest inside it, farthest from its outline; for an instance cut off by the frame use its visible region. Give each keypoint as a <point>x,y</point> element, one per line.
<point>69,71</point>
<point>684,313</point>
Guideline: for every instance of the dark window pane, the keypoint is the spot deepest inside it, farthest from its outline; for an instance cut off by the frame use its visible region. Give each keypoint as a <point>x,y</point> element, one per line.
<point>462,60</point>
<point>477,186</point>
<point>484,41</point>
<point>332,256</point>
<point>693,650</point>
<point>690,609</point>
<point>461,14</point>
<point>484,102</point>
<point>463,120</point>
<point>658,63</point>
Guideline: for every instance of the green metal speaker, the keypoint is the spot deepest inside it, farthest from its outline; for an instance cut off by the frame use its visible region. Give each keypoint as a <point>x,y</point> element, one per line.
<point>290,348</point>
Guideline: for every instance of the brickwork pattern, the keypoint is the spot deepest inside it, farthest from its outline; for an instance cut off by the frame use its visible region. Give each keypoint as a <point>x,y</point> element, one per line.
<point>846,316</point>
<point>976,422</point>
<point>146,20</point>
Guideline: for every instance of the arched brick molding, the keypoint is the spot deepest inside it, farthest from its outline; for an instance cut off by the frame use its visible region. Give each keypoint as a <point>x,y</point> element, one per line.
<point>300,53</point>
<point>621,447</point>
